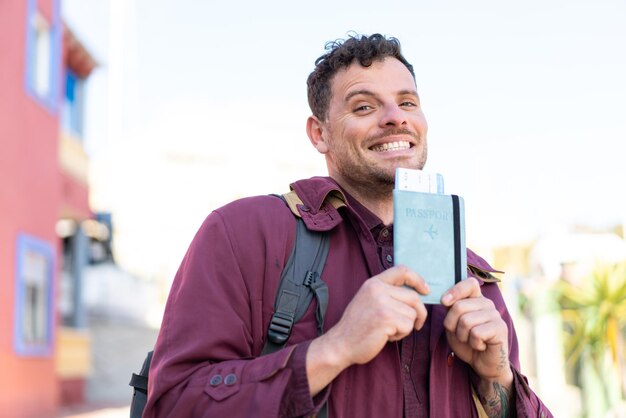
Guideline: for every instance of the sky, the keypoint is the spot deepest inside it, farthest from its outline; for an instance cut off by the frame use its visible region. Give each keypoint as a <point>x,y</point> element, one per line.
<point>196,103</point>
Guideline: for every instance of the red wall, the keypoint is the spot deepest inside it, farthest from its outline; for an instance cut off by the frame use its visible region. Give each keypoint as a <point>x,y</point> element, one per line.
<point>74,198</point>
<point>29,202</point>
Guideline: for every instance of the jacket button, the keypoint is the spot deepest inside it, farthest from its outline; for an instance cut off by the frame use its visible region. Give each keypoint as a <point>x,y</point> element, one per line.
<point>216,380</point>
<point>389,258</point>
<point>230,380</point>
<point>450,359</point>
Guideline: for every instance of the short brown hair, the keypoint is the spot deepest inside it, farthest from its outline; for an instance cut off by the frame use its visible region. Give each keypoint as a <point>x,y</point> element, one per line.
<point>340,54</point>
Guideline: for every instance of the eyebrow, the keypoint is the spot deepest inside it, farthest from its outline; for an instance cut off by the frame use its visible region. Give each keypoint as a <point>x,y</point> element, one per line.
<point>370,93</point>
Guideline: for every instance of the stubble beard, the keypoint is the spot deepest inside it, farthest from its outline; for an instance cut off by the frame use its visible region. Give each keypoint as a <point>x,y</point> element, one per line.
<point>375,182</point>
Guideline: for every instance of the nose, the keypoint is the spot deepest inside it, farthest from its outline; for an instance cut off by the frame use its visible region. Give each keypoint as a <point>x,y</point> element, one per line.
<point>393,115</point>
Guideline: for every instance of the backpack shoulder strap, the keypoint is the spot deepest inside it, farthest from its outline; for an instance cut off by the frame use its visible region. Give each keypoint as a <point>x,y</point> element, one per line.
<point>139,382</point>
<point>300,281</point>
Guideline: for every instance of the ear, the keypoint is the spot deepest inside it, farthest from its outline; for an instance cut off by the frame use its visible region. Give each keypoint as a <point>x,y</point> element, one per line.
<point>316,131</point>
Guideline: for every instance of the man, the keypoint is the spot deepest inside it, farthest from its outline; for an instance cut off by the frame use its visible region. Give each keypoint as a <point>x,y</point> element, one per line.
<point>384,353</point>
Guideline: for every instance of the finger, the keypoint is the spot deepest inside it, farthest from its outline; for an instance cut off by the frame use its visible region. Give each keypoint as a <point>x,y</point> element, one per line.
<point>411,299</point>
<point>405,295</point>
<point>465,306</point>
<point>468,288</point>
<point>404,326</point>
<point>398,319</point>
<point>488,333</point>
<point>399,299</point>
<point>465,326</point>
<point>422,314</point>
<point>404,276</point>
<point>383,298</point>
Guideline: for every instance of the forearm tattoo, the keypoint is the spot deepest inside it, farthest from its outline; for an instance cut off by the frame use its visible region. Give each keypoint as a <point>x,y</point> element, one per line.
<point>497,401</point>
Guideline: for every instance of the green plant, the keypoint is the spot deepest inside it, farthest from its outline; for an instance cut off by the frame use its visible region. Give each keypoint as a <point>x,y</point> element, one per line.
<point>594,316</point>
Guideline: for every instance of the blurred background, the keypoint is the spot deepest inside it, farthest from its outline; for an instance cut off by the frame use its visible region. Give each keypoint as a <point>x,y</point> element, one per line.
<point>123,123</point>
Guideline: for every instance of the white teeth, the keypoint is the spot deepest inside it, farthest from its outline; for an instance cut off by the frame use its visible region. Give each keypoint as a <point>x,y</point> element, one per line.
<point>392,146</point>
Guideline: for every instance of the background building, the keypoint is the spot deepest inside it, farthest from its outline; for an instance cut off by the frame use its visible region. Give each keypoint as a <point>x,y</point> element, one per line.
<point>46,224</point>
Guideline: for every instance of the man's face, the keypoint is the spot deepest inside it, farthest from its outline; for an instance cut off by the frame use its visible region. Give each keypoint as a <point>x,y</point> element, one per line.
<point>374,125</point>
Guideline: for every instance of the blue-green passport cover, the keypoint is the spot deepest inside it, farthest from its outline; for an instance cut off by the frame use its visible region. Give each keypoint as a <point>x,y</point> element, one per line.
<point>428,239</point>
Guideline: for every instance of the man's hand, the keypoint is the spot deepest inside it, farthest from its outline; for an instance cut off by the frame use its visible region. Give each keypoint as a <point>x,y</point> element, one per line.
<point>381,311</point>
<point>479,336</point>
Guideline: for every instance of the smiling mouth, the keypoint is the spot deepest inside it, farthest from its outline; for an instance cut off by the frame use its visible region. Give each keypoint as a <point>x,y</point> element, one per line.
<point>391,146</point>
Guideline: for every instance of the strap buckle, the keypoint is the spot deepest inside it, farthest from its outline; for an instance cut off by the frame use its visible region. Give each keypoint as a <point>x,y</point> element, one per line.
<point>280,327</point>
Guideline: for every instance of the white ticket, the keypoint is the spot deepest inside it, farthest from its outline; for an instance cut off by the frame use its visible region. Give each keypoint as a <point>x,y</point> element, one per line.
<point>418,181</point>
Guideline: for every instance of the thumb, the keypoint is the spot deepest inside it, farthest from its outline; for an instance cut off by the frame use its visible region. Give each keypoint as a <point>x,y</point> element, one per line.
<point>403,276</point>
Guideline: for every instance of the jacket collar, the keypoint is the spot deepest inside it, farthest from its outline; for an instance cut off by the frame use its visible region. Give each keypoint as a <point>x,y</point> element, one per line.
<point>321,197</point>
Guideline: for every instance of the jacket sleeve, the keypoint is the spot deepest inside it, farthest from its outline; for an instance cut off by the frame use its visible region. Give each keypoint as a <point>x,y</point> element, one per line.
<point>204,362</point>
<point>527,403</point>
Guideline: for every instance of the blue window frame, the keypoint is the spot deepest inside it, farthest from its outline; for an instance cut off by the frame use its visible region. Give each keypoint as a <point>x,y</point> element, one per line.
<point>34,288</point>
<point>43,55</point>
<point>72,112</point>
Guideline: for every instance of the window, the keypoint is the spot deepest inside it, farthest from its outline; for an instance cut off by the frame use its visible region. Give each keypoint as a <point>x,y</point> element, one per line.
<point>33,301</point>
<point>43,52</point>
<point>72,114</point>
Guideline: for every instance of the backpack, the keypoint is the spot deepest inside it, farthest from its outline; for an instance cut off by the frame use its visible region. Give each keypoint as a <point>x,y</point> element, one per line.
<point>300,281</point>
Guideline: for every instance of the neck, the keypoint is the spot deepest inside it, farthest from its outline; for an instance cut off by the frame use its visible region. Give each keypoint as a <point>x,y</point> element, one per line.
<point>379,202</point>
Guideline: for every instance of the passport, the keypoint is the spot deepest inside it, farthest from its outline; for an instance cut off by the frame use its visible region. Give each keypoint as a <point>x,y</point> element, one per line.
<point>429,238</point>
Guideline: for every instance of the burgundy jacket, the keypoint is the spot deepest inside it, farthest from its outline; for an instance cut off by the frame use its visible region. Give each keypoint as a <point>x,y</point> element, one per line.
<point>206,360</point>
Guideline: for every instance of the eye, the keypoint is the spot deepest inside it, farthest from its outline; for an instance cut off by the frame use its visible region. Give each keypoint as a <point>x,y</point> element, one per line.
<point>363,108</point>
<point>408,103</point>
